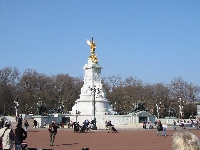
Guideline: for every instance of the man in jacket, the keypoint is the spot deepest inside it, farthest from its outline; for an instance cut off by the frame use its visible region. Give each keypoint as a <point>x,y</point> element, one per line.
<point>21,134</point>
<point>53,131</point>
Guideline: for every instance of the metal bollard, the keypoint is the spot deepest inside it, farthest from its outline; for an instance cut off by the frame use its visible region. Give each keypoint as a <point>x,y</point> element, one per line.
<point>85,148</point>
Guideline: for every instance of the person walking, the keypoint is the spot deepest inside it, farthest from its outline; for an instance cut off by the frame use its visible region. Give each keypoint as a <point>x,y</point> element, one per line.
<point>8,136</point>
<point>35,124</point>
<point>21,134</point>
<point>174,124</point>
<point>53,131</point>
<point>26,125</point>
<point>164,125</point>
<point>19,119</point>
<point>159,127</point>
<point>182,125</point>
<point>145,124</point>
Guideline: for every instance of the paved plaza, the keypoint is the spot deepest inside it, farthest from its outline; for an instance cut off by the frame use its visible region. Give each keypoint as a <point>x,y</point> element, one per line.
<point>125,139</point>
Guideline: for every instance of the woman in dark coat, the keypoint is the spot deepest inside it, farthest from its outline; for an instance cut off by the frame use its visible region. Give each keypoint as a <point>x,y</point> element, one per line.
<point>159,127</point>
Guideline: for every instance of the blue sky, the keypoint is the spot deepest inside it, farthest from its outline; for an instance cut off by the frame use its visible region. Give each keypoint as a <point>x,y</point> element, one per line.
<point>155,41</point>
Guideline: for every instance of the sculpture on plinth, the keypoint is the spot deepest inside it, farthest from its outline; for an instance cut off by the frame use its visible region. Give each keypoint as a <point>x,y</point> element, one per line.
<point>92,45</point>
<point>41,108</point>
<point>90,102</point>
<point>139,107</point>
<point>171,112</point>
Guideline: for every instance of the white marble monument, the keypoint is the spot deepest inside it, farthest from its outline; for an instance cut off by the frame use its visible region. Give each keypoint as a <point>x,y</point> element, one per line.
<point>92,80</point>
<point>84,106</point>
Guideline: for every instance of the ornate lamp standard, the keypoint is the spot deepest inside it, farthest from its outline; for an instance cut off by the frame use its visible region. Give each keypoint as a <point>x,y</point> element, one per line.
<point>158,108</point>
<point>94,127</point>
<point>180,108</point>
<point>77,112</point>
<point>16,106</point>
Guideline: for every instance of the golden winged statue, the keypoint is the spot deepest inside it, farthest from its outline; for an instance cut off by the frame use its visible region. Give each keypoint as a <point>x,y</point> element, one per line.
<point>92,45</point>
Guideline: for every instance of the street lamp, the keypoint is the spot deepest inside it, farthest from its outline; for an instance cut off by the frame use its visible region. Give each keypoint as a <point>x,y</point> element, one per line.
<point>16,106</point>
<point>158,108</point>
<point>94,127</point>
<point>180,108</point>
<point>77,112</point>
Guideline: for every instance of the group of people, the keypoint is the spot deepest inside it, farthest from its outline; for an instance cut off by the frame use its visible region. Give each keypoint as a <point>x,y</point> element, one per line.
<point>86,126</point>
<point>110,126</point>
<point>70,124</point>
<point>180,141</point>
<point>161,127</point>
<point>8,136</point>
<point>147,125</point>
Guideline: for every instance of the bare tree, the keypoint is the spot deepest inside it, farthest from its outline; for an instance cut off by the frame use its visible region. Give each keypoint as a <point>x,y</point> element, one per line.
<point>8,90</point>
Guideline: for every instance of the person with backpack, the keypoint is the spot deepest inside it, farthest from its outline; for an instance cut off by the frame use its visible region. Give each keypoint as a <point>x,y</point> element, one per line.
<point>21,134</point>
<point>53,131</point>
<point>7,136</point>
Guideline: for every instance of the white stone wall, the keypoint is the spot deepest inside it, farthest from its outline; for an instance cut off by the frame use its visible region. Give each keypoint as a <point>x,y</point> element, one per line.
<point>115,119</point>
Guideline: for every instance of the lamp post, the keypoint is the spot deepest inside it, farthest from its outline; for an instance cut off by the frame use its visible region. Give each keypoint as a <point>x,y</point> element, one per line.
<point>76,112</point>
<point>94,127</point>
<point>16,106</point>
<point>158,108</point>
<point>180,108</point>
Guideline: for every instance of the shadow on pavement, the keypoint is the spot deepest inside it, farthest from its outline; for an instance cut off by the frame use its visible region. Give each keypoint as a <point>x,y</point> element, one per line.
<point>37,149</point>
<point>70,144</point>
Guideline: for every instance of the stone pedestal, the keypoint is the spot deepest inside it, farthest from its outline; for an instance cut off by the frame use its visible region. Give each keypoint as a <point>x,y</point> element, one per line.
<point>85,104</point>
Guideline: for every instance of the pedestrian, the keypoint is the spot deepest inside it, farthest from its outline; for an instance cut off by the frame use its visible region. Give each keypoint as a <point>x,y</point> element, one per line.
<point>8,136</point>
<point>155,122</point>
<point>26,125</point>
<point>16,118</point>
<point>20,119</point>
<point>45,123</point>
<point>21,134</point>
<point>182,125</point>
<point>72,124</point>
<point>174,124</point>
<point>53,131</point>
<point>159,127</point>
<point>145,124</point>
<point>164,125</point>
<point>35,124</point>
<point>106,122</point>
